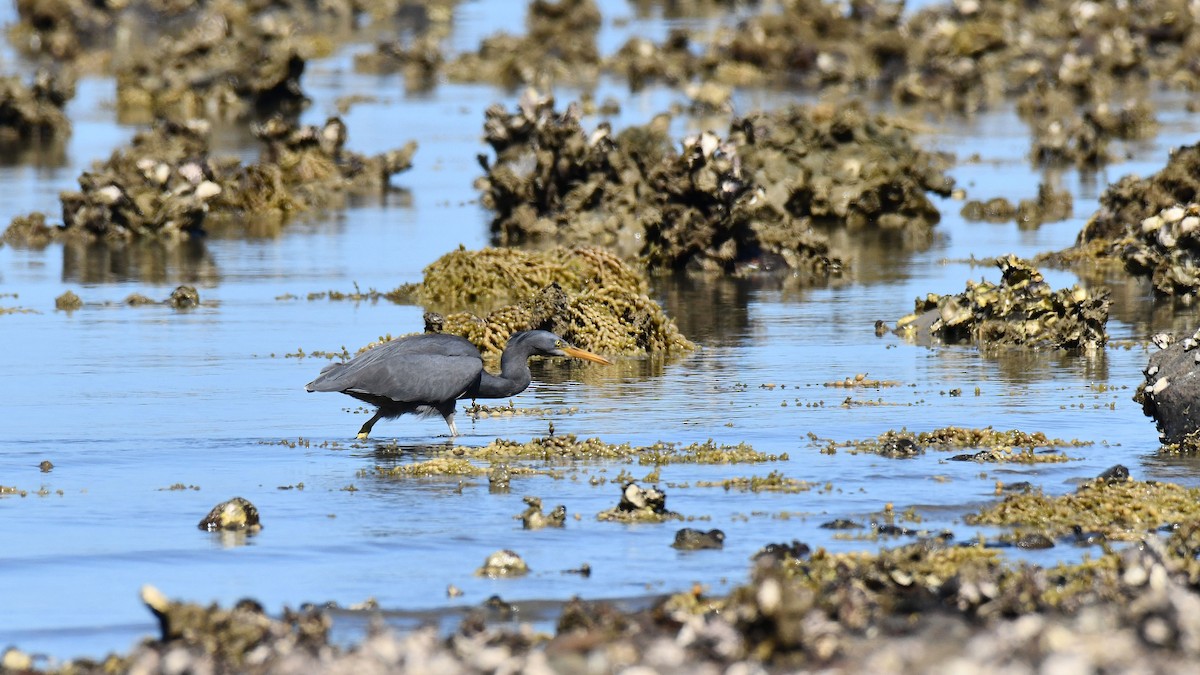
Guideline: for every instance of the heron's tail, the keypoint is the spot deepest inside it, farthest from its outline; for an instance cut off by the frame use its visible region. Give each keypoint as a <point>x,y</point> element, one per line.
<point>327,373</point>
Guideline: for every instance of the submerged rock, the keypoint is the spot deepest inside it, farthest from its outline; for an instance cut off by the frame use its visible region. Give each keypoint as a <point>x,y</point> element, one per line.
<point>236,514</point>
<point>184,297</point>
<point>1022,311</point>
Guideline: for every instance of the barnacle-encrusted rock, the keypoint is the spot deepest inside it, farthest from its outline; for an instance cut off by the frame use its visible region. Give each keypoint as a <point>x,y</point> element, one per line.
<point>743,203</point>
<point>236,514</point>
<point>585,295</point>
<point>232,64</point>
<point>1171,392</point>
<point>1164,246</point>
<point>1150,224</point>
<point>1021,311</point>
<point>419,59</point>
<point>164,184</point>
<point>559,46</point>
<point>34,112</point>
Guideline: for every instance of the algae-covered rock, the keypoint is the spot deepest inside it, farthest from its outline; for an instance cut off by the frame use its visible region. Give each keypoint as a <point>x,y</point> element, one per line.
<point>68,301</point>
<point>746,202</point>
<point>236,514</point>
<point>640,505</point>
<point>691,539</point>
<point>166,185</point>
<point>1021,311</point>
<point>533,518</point>
<point>503,563</point>
<point>586,295</point>
<point>1122,510</point>
<point>993,445</point>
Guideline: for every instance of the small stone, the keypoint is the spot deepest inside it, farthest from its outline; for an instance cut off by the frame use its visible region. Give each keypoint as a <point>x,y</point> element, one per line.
<point>236,514</point>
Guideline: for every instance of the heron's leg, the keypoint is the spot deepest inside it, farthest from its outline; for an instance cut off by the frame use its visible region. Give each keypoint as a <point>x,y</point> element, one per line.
<point>450,423</point>
<point>366,427</point>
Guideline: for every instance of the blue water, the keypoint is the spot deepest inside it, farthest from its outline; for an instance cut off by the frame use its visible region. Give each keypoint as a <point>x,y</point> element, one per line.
<point>128,401</point>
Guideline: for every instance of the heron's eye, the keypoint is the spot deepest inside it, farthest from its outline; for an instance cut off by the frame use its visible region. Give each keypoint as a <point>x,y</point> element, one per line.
<point>558,343</point>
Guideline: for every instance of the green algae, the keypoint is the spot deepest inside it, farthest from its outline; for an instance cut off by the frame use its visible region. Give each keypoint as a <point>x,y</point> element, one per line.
<point>1121,510</point>
<point>1012,445</point>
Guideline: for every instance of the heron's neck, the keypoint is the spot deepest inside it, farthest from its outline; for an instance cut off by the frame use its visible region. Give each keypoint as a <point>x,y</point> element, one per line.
<point>513,379</point>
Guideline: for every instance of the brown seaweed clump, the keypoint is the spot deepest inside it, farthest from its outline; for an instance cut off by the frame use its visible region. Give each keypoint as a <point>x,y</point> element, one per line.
<point>165,185</point>
<point>1022,311</point>
<point>586,295</point>
<point>35,112</point>
<point>559,46</point>
<point>741,204</point>
<point>1165,247</point>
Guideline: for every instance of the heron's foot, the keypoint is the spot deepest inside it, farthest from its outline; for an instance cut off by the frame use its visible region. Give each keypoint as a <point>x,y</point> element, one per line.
<point>362,436</point>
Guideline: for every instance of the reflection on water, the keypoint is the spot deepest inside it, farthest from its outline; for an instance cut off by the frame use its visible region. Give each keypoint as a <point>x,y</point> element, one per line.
<point>48,154</point>
<point>152,261</point>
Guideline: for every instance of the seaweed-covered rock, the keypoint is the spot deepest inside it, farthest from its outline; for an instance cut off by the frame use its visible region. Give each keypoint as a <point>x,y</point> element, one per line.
<point>503,563</point>
<point>1171,392</point>
<point>748,202</point>
<point>34,112</point>
<point>165,184</point>
<point>586,295</point>
<point>1021,311</point>
<point>533,518</point>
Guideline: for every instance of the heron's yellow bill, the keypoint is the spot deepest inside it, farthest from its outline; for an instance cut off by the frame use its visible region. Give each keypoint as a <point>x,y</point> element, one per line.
<point>585,355</point>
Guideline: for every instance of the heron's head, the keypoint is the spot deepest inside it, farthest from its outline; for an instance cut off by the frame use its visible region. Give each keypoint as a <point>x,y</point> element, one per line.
<point>545,343</point>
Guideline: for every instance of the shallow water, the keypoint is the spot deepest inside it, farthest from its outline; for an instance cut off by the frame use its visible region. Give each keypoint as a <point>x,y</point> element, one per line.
<point>128,401</point>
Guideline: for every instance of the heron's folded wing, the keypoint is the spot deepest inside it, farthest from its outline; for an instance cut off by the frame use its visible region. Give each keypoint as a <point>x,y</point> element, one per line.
<point>418,378</point>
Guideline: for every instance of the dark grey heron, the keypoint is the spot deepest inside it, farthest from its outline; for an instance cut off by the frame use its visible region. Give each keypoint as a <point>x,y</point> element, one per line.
<point>428,373</point>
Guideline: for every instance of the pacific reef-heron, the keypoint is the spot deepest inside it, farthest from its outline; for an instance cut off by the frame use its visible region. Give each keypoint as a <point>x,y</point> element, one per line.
<point>428,373</point>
